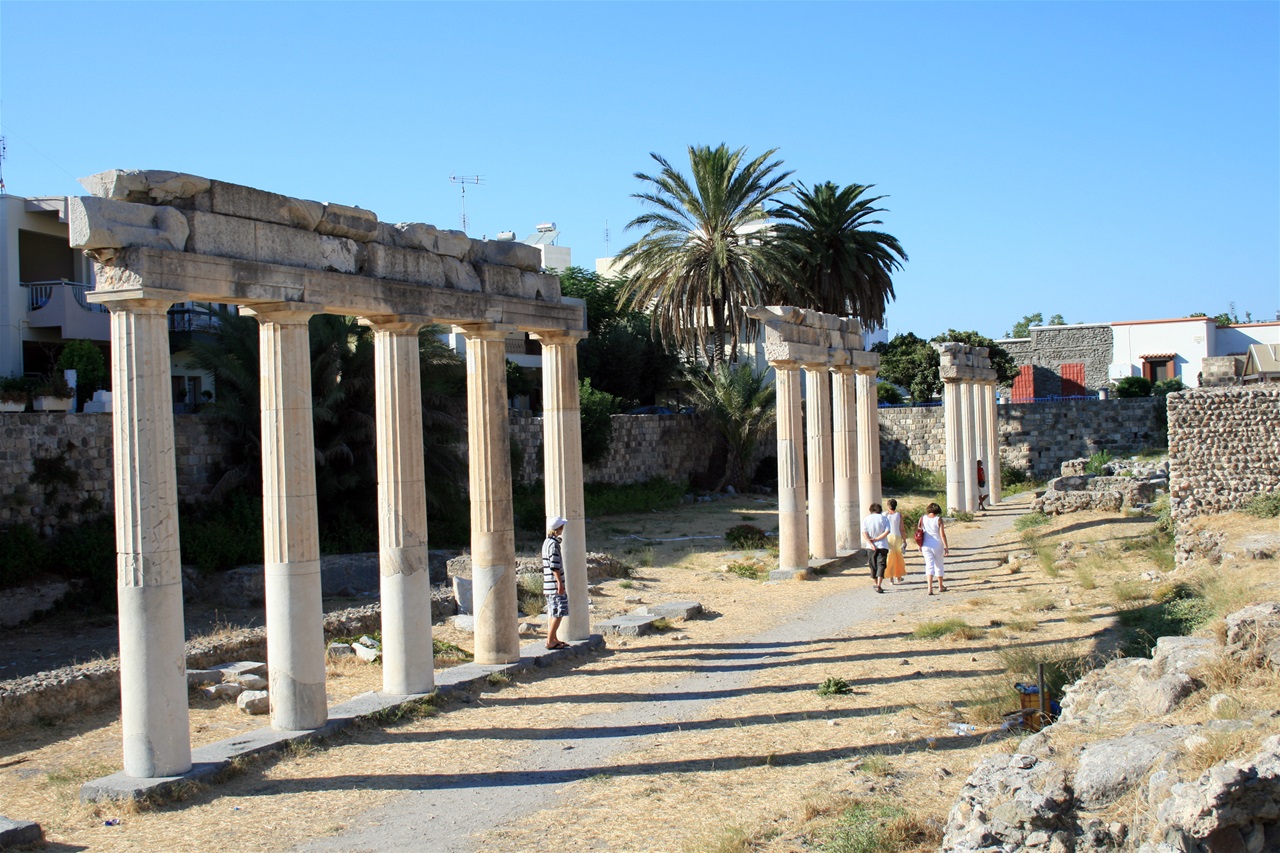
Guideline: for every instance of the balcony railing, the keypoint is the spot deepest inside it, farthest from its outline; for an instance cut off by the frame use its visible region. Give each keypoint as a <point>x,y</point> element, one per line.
<point>40,292</point>
<point>191,320</point>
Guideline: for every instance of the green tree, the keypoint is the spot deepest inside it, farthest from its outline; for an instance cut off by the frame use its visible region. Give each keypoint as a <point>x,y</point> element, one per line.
<point>1022,328</point>
<point>1133,386</point>
<point>697,265</point>
<point>909,361</point>
<point>596,409</point>
<point>740,405</point>
<point>85,358</point>
<point>841,266</point>
<point>620,355</point>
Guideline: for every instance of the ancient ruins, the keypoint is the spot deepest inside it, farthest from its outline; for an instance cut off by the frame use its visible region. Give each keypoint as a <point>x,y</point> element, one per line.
<point>971,429</point>
<point>159,238</point>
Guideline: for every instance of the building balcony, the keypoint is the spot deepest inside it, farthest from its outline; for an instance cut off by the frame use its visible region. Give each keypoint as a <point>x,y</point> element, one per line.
<point>61,305</point>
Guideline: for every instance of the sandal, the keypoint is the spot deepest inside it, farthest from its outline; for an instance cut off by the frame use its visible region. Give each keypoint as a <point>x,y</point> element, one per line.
<point>557,645</point>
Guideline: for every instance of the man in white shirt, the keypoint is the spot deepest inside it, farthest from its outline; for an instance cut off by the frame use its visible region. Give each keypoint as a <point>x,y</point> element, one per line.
<point>875,532</point>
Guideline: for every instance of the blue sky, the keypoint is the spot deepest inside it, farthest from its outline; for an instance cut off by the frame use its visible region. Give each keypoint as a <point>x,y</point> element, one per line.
<point>1104,161</point>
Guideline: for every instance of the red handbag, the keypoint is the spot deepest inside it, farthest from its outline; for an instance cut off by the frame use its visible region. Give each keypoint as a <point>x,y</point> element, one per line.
<point>920,533</point>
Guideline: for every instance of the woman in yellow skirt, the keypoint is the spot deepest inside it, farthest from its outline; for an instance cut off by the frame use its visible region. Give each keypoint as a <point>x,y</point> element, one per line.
<point>896,568</point>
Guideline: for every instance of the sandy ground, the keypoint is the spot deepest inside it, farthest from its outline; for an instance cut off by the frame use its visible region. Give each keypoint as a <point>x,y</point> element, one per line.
<point>675,741</point>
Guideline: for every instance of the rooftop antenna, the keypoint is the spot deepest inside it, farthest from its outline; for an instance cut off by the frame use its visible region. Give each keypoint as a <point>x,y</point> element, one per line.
<point>462,181</point>
<point>2,153</point>
<point>606,239</point>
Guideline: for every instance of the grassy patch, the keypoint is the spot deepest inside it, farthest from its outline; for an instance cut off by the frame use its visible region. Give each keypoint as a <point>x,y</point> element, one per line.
<point>1125,591</point>
<point>953,626</point>
<point>1030,520</point>
<point>749,569</point>
<point>863,828</point>
<point>1263,506</point>
<point>910,477</point>
<point>1040,603</point>
<point>727,839</point>
<point>834,686</point>
<point>449,651</point>
<point>1086,578</point>
<point>497,679</point>
<point>627,583</point>
<point>746,536</point>
<point>1020,625</point>
<point>1179,609</point>
<point>1078,618</point>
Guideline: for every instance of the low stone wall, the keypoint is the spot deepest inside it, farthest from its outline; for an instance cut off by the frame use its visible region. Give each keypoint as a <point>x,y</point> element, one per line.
<point>1224,448</point>
<point>78,447</point>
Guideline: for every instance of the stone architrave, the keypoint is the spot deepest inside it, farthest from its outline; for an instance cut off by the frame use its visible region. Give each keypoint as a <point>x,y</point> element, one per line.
<point>820,467</point>
<point>562,468</point>
<point>793,534</point>
<point>844,439</point>
<point>954,446</point>
<point>153,683</point>
<point>407,656</point>
<point>291,534</point>
<point>493,547</point>
<point>993,441</point>
<point>868,439</point>
<point>961,367</point>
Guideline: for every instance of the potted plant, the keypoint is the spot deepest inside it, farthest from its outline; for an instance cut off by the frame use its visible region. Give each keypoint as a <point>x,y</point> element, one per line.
<point>14,394</point>
<point>54,395</point>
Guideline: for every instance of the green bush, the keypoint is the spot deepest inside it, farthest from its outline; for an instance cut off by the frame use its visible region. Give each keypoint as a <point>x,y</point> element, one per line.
<point>834,686</point>
<point>746,536</point>
<point>1097,464</point>
<point>1182,610</point>
<point>910,477</point>
<point>1265,505</point>
<point>1133,386</point>
<point>1165,387</point>
<point>597,411</point>
<point>888,394</point>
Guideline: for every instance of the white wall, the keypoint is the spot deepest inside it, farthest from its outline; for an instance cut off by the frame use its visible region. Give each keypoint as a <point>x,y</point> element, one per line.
<point>1190,339</point>
<point>1233,340</point>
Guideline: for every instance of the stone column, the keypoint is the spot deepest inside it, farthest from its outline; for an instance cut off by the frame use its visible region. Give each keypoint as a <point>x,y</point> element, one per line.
<point>493,548</point>
<point>844,434</point>
<point>407,659</point>
<point>793,539</point>
<point>822,527</point>
<point>981,442</point>
<point>952,432</point>
<point>969,443</point>
<point>291,536</point>
<point>868,440</point>
<point>562,467</point>
<point>993,439</point>
<point>153,681</point>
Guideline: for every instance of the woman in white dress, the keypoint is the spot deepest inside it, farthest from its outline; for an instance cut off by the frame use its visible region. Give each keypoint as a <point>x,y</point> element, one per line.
<point>934,547</point>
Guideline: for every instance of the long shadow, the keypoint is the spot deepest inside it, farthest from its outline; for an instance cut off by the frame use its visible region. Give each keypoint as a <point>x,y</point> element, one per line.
<point>1087,525</point>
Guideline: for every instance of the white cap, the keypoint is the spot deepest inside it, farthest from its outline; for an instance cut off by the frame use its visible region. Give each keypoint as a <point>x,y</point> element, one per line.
<point>555,522</point>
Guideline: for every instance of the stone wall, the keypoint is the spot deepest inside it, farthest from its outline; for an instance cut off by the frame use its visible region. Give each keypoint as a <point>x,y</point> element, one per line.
<point>1035,437</point>
<point>78,447</point>
<point>1049,347</point>
<point>1224,447</point>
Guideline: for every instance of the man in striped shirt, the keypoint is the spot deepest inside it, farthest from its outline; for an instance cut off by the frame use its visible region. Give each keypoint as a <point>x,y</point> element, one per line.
<point>553,582</point>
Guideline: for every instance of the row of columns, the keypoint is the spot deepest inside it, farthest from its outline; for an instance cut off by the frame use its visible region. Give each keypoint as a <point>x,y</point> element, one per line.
<point>152,649</point>
<point>970,425</point>
<point>821,515</point>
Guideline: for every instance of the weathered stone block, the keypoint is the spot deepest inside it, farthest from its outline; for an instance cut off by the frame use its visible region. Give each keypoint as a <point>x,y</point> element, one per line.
<point>292,247</point>
<point>249,203</point>
<point>460,275</point>
<point>506,253</point>
<point>540,286</point>
<point>96,223</point>
<point>500,280</point>
<point>353,222</point>
<point>397,264</point>
<point>226,236</point>
<point>254,702</point>
<point>144,186</point>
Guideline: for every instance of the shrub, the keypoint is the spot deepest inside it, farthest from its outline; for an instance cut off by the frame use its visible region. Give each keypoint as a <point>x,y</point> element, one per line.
<point>746,536</point>
<point>1133,386</point>
<point>1165,387</point>
<point>888,394</point>
<point>910,477</point>
<point>597,409</point>
<point>750,571</point>
<point>1263,505</point>
<point>1098,463</point>
<point>834,686</point>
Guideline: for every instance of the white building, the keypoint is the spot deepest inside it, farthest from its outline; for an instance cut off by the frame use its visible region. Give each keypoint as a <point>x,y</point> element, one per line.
<point>1177,348</point>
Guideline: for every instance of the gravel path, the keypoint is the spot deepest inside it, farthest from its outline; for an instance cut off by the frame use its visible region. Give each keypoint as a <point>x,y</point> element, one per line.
<point>449,813</point>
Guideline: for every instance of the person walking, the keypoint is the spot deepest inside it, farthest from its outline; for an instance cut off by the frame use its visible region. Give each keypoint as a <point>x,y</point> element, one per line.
<point>875,532</point>
<point>896,564</point>
<point>934,548</point>
<point>553,582</point>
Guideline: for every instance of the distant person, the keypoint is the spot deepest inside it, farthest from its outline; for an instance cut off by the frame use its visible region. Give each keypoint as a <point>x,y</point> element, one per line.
<point>896,565</point>
<point>875,532</point>
<point>553,582</point>
<point>983,491</point>
<point>934,547</point>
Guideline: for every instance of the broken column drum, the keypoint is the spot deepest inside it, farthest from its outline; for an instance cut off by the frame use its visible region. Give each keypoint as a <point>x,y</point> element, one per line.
<point>159,238</point>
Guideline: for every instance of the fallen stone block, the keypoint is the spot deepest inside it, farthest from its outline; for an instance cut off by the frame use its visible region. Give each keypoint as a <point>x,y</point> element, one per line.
<point>252,682</point>
<point>225,690</point>
<point>463,622</point>
<point>340,650</point>
<point>254,702</point>
<point>676,610</point>
<point>201,677</point>
<point>368,654</point>
<point>462,594</point>
<point>627,626</point>
<point>245,667</point>
<point>15,833</point>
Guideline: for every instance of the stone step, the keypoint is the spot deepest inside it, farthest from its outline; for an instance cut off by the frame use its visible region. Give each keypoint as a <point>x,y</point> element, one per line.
<point>630,625</point>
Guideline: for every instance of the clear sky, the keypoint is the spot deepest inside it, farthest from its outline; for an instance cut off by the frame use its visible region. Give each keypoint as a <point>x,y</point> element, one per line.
<point>1105,161</point>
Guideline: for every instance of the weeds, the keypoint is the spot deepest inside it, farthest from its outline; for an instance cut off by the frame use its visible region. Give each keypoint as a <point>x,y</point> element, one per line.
<point>1086,578</point>
<point>448,651</point>
<point>497,679</point>
<point>1097,464</point>
<point>1126,591</point>
<point>746,536</point>
<point>627,583</point>
<point>1266,505</point>
<point>1030,520</point>
<point>729,839</point>
<point>1040,603</point>
<point>953,626</point>
<point>910,477</point>
<point>863,828</point>
<point>834,686</point>
<point>748,569</point>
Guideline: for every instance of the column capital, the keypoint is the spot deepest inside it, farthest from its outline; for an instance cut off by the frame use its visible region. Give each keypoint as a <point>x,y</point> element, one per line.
<point>866,371</point>
<point>138,300</point>
<point>486,331</point>
<point>785,364</point>
<point>399,324</point>
<point>551,337</point>
<point>844,369</point>
<point>280,312</point>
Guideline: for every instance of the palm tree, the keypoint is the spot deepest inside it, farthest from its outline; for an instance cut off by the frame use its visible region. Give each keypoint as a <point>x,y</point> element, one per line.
<point>840,266</point>
<point>741,405</point>
<point>696,268</point>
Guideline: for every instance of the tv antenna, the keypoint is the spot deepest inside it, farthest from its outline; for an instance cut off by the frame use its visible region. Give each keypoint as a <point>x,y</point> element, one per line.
<point>2,153</point>
<point>462,181</point>
<point>606,238</point>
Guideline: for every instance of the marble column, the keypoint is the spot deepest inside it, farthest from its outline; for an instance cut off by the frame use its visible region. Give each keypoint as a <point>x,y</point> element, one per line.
<point>821,469</point>
<point>405,585</point>
<point>981,442</point>
<point>844,435</point>
<point>793,539</point>
<point>153,681</point>
<point>562,468</point>
<point>993,441</point>
<point>291,535</point>
<point>868,439</point>
<point>952,432</point>
<point>493,548</point>
<point>969,442</point>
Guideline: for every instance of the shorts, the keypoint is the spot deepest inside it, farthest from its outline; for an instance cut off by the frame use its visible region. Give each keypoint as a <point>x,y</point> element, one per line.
<point>879,560</point>
<point>557,606</point>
